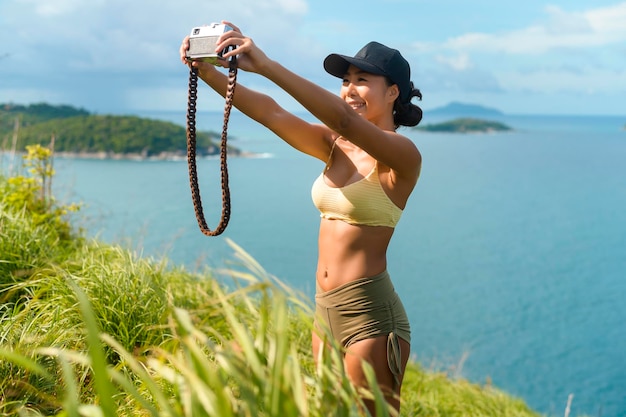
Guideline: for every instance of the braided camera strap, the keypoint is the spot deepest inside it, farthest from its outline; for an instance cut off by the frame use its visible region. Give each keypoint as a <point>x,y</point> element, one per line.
<point>191,150</point>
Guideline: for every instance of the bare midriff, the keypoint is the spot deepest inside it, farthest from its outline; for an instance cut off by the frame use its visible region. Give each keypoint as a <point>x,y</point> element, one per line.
<point>349,252</point>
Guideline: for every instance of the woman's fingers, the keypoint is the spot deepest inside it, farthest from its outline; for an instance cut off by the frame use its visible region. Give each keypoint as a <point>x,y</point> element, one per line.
<point>183,50</point>
<point>235,28</point>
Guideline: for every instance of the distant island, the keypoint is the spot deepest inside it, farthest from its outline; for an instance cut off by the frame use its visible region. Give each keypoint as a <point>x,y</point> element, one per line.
<point>77,132</point>
<point>466,125</point>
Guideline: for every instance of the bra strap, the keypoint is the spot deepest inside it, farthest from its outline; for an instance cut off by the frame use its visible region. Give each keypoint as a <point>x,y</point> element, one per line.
<point>330,155</point>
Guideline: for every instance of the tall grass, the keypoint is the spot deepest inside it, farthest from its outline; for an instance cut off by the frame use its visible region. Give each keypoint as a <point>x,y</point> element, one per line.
<point>90,329</point>
<point>227,353</point>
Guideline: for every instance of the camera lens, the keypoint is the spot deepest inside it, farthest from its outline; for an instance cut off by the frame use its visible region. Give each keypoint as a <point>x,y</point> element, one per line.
<point>196,31</point>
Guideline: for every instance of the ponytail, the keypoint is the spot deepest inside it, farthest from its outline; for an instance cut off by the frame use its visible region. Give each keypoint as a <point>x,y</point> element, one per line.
<point>406,113</point>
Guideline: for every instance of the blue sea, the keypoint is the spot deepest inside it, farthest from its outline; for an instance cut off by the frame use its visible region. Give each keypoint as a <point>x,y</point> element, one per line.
<point>510,256</point>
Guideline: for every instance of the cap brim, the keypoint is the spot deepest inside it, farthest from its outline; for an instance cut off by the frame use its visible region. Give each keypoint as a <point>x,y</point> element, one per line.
<point>338,65</point>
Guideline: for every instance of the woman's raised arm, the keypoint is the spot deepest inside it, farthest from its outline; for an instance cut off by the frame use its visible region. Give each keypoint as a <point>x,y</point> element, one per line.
<point>309,138</point>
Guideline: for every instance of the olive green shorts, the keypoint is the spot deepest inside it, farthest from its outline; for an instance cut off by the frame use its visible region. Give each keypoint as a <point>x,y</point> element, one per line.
<point>364,309</point>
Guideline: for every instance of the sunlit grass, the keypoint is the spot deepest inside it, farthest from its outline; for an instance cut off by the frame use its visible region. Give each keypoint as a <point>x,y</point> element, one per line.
<point>226,353</point>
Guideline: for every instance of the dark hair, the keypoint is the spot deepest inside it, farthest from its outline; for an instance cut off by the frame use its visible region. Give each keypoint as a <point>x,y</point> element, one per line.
<point>406,113</point>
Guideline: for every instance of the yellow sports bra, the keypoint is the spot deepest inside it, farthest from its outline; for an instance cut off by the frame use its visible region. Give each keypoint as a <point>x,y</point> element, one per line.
<point>362,203</point>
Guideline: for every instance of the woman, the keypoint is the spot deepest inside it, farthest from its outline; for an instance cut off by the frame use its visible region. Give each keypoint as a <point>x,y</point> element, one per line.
<point>369,175</point>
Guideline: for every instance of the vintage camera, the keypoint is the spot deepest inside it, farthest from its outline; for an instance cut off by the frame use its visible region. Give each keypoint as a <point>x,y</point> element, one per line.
<point>203,40</point>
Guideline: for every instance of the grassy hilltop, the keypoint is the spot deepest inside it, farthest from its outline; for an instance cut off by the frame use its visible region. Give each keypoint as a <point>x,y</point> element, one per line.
<point>77,131</point>
<point>465,125</point>
<point>91,329</point>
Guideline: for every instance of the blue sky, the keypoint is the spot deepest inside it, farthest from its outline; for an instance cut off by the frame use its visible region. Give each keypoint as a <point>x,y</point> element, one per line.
<point>121,56</point>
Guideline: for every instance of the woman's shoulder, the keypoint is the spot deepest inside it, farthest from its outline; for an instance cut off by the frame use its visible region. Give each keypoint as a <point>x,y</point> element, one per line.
<point>407,159</point>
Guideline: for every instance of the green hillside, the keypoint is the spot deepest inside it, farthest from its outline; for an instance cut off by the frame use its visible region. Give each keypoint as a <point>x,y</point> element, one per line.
<point>466,125</point>
<point>78,131</point>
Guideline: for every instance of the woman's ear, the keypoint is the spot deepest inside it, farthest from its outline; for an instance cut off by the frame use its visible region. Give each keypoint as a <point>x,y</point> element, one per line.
<point>393,92</point>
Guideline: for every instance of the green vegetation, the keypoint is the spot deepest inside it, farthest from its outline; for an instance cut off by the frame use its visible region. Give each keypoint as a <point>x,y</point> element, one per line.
<point>466,125</point>
<point>90,329</point>
<point>36,113</point>
<point>78,132</point>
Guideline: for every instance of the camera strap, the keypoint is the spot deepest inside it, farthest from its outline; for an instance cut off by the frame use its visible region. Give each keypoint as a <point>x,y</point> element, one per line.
<point>191,150</point>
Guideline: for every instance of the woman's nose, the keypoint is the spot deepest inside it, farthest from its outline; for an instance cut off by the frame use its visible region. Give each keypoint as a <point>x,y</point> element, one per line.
<point>350,90</point>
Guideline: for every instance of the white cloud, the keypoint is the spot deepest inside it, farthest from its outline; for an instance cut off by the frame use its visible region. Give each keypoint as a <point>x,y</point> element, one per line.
<point>423,47</point>
<point>558,81</point>
<point>111,46</point>
<point>460,62</point>
<point>573,53</point>
<point>610,21</point>
<point>561,22</point>
<point>119,54</point>
<point>57,8</point>
<point>561,29</point>
<point>299,7</point>
<point>130,30</point>
<point>121,34</point>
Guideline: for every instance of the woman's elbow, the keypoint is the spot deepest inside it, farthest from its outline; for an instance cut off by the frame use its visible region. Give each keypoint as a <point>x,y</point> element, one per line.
<point>343,120</point>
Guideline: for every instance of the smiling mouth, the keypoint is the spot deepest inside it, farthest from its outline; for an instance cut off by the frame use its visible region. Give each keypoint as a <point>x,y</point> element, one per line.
<point>357,106</point>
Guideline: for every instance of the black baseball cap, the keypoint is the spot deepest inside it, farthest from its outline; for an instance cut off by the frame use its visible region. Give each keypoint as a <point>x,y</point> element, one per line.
<point>378,59</point>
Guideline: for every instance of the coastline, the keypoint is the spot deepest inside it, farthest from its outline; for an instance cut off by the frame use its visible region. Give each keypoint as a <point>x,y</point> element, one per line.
<point>163,156</point>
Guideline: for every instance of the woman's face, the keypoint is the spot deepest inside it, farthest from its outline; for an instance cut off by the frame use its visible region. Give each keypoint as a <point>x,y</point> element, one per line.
<point>368,94</point>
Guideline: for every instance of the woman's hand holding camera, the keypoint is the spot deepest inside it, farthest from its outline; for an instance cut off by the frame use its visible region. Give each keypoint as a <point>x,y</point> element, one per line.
<point>249,56</point>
